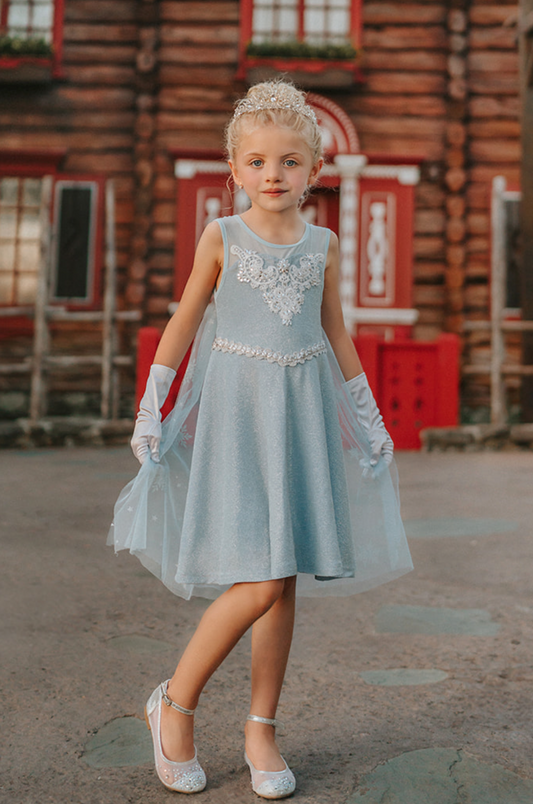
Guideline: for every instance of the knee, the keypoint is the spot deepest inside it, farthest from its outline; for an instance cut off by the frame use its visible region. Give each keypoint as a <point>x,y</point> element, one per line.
<point>266,593</point>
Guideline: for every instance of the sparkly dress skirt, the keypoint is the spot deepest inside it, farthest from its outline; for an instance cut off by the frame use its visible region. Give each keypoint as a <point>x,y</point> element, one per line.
<point>264,468</point>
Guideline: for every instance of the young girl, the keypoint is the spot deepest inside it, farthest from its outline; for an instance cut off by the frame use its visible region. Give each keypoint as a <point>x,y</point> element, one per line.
<point>275,461</point>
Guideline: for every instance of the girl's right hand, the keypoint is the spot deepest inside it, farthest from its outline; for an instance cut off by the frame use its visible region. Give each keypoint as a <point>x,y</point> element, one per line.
<point>147,434</point>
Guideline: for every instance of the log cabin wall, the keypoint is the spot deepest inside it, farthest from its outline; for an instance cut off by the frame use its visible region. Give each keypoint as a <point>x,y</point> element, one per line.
<point>142,78</point>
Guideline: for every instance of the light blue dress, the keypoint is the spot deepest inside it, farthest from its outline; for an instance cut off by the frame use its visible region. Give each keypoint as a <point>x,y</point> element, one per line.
<point>264,467</point>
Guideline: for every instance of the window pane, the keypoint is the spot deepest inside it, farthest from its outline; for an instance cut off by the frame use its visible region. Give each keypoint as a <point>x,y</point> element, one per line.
<point>315,22</point>
<point>288,23</point>
<point>6,288</point>
<point>31,195</point>
<point>9,191</point>
<point>29,228</point>
<point>263,21</point>
<point>7,256</point>
<point>339,24</point>
<point>315,3</point>
<point>26,288</point>
<point>42,16</point>
<point>28,257</point>
<point>8,223</point>
<point>18,16</point>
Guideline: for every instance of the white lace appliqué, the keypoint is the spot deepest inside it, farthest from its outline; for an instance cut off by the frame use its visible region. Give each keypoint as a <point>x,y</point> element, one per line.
<point>283,283</point>
<point>224,345</point>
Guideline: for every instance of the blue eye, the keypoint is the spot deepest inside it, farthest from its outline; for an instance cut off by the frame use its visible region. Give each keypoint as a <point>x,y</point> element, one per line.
<point>256,162</point>
<point>291,162</point>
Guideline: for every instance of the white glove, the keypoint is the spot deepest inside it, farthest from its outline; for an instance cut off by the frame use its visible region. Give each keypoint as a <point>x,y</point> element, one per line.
<point>147,434</point>
<point>371,419</point>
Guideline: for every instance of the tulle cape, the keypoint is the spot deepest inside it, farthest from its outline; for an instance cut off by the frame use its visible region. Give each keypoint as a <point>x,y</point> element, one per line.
<point>148,514</point>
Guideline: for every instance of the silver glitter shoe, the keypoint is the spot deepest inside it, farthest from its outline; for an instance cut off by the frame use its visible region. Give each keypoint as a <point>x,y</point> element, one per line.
<point>182,777</point>
<point>270,784</point>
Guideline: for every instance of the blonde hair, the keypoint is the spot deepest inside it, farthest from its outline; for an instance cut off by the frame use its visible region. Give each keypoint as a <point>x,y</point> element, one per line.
<point>274,103</point>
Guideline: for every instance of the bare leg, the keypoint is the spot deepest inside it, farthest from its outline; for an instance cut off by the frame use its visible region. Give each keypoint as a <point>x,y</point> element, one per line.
<point>271,642</point>
<point>219,630</point>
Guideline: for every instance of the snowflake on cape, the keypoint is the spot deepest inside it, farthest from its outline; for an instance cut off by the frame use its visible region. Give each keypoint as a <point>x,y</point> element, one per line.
<point>283,283</point>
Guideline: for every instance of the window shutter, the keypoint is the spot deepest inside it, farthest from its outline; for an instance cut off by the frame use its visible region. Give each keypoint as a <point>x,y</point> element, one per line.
<point>74,241</point>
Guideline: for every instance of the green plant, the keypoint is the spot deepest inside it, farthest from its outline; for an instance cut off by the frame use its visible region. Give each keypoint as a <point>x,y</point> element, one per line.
<point>16,46</point>
<point>303,50</point>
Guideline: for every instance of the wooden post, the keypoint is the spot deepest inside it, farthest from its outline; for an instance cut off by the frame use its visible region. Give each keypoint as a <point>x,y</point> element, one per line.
<point>526,209</point>
<point>40,333</point>
<point>498,407</point>
<point>108,325</point>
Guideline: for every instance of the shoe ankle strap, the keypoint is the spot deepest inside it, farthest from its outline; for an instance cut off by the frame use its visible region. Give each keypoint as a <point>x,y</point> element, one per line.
<point>169,702</point>
<point>266,720</point>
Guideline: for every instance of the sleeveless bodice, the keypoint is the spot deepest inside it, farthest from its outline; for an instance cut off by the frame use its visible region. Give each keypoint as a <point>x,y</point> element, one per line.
<point>269,299</point>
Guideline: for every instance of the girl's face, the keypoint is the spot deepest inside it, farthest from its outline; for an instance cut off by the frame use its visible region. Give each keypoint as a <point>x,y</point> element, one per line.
<point>275,166</point>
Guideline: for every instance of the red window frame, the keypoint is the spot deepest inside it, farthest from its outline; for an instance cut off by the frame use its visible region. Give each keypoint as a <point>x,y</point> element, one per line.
<point>246,27</point>
<point>37,164</point>
<point>55,60</point>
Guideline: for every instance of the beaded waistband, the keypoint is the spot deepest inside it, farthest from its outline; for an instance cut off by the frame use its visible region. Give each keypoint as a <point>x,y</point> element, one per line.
<point>224,345</point>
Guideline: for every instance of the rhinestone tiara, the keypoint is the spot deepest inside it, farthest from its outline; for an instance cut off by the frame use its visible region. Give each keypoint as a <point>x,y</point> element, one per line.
<point>273,97</point>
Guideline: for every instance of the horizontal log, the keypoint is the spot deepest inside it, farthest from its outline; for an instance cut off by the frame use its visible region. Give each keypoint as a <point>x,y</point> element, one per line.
<point>164,235</point>
<point>495,150</point>
<point>476,297</point>
<point>161,285</point>
<point>199,34</point>
<point>493,62</point>
<point>485,174</point>
<point>164,188</point>
<point>196,54</point>
<point>428,247</point>
<point>110,54</point>
<point>173,121</point>
<point>101,11</point>
<point>407,146</point>
<point>430,315</point>
<point>429,295</point>
<point>405,38</point>
<point>182,139</point>
<point>493,83</point>
<point>401,126</point>
<point>410,60</point>
<point>494,107</point>
<point>188,99</point>
<point>486,129</point>
<point>478,245</point>
<point>174,74</point>
<point>429,194</point>
<point>478,195</point>
<point>100,33</point>
<point>98,162</point>
<point>428,272</point>
<point>499,38</point>
<point>162,261</point>
<point>491,14</point>
<point>405,83</point>
<point>124,211</point>
<point>417,105</point>
<point>164,212</point>
<point>197,10</point>
<point>82,120</point>
<point>99,74</point>
<point>429,221</point>
<point>478,223</point>
<point>403,14</point>
<point>115,98</point>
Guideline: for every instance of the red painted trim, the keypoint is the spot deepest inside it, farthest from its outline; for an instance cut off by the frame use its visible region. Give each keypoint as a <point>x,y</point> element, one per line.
<point>301,20</point>
<point>215,154</point>
<point>58,38</point>
<point>12,62</point>
<point>30,162</point>
<point>306,65</point>
<point>3,16</point>
<point>447,402</point>
<point>357,23</point>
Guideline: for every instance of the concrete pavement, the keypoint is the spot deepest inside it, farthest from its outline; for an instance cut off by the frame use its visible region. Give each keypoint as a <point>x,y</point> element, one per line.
<point>418,692</point>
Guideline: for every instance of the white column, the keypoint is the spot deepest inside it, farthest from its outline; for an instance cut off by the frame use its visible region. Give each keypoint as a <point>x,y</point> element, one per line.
<point>349,167</point>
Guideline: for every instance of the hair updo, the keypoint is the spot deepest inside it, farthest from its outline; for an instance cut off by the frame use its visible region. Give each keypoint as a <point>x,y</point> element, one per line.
<point>273,103</point>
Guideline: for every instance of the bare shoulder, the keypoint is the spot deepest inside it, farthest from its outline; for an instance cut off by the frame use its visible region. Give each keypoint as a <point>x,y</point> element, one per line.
<point>333,250</point>
<point>211,244</point>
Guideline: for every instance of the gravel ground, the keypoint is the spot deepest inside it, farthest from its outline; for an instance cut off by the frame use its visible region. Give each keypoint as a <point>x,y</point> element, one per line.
<point>65,599</point>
